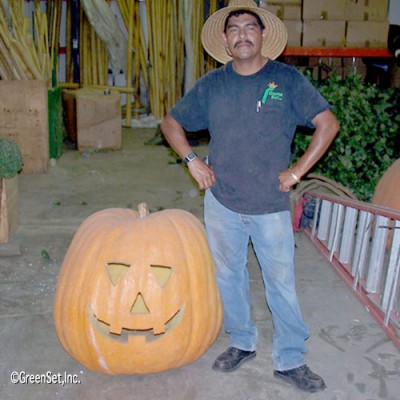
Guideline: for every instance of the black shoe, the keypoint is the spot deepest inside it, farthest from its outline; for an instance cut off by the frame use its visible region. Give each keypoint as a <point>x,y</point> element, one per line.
<point>303,378</point>
<point>231,359</point>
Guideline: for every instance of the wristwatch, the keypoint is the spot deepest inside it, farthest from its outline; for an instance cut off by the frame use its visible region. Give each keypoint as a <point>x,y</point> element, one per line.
<point>189,157</point>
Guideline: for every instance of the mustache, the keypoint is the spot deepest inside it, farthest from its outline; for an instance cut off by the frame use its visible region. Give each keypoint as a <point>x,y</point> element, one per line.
<point>243,41</point>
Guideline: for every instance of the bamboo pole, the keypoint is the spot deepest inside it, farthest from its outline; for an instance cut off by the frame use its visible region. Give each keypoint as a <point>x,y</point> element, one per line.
<point>6,51</point>
<point>198,52</point>
<point>143,58</point>
<point>55,34</point>
<point>20,56</point>
<point>179,50</point>
<point>137,61</point>
<point>93,52</point>
<point>210,62</point>
<point>5,74</point>
<point>141,50</point>
<point>9,71</point>
<point>72,85</point>
<point>99,63</point>
<point>129,62</point>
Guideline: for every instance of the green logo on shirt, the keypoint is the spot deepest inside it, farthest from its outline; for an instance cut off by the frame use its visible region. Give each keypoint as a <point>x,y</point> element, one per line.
<point>271,93</point>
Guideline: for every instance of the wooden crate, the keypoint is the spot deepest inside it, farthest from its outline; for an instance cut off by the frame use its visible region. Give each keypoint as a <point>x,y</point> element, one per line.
<point>24,119</point>
<point>98,121</point>
<point>9,207</point>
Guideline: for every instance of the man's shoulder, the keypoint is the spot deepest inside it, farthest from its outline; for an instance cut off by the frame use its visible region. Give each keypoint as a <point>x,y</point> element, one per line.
<point>292,74</point>
<point>284,68</point>
<point>216,73</point>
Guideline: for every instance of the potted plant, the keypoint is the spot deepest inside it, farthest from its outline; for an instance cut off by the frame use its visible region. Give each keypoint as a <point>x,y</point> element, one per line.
<point>10,165</point>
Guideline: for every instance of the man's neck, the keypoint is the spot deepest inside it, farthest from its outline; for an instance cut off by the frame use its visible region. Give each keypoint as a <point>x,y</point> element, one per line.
<point>249,67</point>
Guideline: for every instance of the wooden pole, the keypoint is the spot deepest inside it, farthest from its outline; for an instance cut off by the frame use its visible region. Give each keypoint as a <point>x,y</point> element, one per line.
<point>72,85</point>
<point>211,63</point>
<point>129,62</point>
<point>137,61</point>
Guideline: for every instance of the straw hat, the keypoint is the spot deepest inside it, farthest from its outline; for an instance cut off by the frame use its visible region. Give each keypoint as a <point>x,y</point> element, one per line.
<point>211,35</point>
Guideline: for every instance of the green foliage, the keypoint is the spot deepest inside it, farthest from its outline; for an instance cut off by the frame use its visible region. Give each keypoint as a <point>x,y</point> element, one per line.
<point>369,138</point>
<point>10,158</point>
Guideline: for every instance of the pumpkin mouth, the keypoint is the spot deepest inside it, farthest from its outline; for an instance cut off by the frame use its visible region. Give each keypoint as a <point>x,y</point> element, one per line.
<point>128,335</point>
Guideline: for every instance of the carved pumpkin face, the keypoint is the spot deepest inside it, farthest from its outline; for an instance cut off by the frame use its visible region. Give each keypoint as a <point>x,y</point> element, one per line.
<point>137,286</point>
<point>137,295</point>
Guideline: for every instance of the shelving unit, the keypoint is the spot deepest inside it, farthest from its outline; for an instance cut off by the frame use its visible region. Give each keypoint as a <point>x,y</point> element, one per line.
<point>324,53</point>
<point>335,52</point>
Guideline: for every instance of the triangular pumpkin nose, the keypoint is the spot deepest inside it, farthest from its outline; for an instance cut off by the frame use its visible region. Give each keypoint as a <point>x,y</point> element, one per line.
<point>139,306</point>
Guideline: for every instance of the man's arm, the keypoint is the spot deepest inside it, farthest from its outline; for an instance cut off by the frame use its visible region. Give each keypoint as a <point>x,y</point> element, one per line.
<point>327,126</point>
<point>176,137</point>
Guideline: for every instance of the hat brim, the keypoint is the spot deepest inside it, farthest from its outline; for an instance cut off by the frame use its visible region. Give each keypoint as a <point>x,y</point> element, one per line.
<point>211,36</point>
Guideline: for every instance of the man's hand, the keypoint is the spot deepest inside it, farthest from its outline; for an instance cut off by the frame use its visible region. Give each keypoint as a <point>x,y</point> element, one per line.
<point>287,179</point>
<point>202,173</point>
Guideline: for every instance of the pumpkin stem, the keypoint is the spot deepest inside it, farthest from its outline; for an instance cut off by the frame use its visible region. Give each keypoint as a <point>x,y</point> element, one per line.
<point>143,210</point>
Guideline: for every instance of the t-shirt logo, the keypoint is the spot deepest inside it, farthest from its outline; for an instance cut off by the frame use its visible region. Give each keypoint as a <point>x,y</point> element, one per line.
<point>272,93</point>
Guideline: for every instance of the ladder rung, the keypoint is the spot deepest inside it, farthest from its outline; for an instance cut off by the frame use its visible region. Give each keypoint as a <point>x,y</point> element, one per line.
<point>348,235</point>
<point>377,253</point>
<point>324,220</point>
<point>316,217</point>
<point>334,238</point>
<point>390,284</point>
<point>360,254</point>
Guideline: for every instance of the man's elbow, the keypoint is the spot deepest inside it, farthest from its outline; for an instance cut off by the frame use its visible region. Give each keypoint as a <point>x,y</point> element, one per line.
<point>165,123</point>
<point>335,126</point>
<point>328,123</point>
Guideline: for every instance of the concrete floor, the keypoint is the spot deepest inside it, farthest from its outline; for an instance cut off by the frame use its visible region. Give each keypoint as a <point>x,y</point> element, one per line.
<point>347,347</point>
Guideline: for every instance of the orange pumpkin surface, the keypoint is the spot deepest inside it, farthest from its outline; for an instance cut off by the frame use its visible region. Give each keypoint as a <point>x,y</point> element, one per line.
<point>387,191</point>
<point>137,294</point>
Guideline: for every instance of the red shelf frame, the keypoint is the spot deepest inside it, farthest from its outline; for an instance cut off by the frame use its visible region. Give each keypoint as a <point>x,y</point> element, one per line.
<point>335,52</point>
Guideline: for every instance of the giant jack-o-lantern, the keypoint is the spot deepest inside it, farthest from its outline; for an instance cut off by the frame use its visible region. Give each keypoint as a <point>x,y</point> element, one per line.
<point>137,293</point>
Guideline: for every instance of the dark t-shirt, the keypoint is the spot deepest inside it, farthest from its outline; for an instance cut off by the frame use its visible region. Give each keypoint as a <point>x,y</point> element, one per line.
<point>251,120</point>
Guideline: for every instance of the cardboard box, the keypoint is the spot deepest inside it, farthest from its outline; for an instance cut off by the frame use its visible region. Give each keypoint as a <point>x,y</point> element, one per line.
<point>324,10</point>
<point>295,31</point>
<point>284,11</point>
<point>367,10</point>
<point>25,119</point>
<point>367,34</point>
<point>281,2</point>
<point>99,124</point>
<point>324,33</point>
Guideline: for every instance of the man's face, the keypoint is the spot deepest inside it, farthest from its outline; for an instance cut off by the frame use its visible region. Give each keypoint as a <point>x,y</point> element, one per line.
<point>244,37</point>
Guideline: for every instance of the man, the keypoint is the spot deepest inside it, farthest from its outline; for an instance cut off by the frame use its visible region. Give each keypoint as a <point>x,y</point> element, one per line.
<point>251,107</point>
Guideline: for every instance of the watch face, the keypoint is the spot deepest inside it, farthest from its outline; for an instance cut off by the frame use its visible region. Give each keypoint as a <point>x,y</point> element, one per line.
<point>190,157</point>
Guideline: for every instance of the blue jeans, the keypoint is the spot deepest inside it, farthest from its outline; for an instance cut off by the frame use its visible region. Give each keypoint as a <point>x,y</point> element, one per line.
<point>272,237</point>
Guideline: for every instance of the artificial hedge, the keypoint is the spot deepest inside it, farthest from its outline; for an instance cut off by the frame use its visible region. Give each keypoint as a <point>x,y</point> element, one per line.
<point>369,138</point>
<point>11,161</point>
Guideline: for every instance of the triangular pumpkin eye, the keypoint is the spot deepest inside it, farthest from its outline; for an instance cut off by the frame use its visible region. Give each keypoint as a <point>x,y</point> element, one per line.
<point>162,273</point>
<point>116,271</point>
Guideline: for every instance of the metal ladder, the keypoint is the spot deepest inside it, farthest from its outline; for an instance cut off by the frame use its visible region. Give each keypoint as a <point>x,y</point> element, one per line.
<point>361,241</point>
